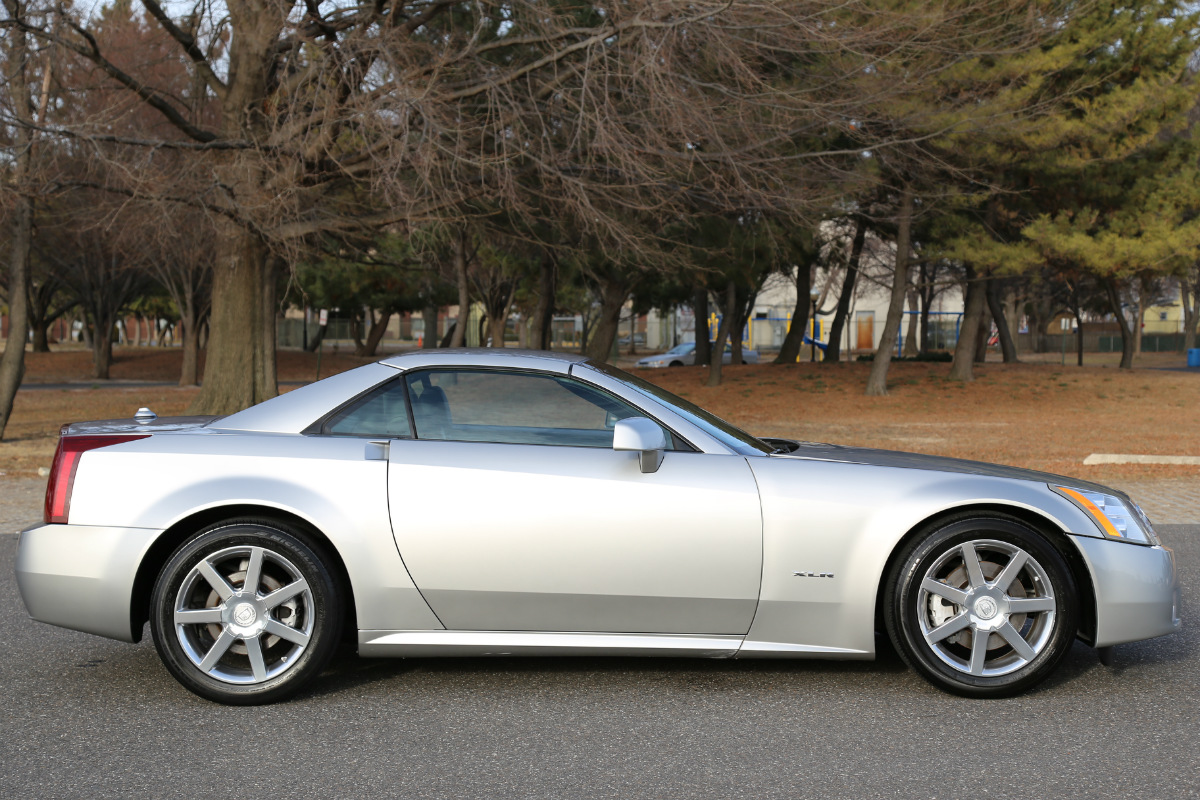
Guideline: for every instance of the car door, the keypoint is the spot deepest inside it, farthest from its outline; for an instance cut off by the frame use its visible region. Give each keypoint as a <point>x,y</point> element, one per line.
<point>512,512</point>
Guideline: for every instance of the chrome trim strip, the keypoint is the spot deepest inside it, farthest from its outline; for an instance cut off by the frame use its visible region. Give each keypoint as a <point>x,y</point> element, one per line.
<point>759,649</point>
<point>503,643</point>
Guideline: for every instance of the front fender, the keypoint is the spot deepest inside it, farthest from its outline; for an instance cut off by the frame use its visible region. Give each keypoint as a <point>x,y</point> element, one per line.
<point>837,524</point>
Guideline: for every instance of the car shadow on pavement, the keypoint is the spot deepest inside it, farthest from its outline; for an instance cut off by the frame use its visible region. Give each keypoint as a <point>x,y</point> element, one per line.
<point>348,671</point>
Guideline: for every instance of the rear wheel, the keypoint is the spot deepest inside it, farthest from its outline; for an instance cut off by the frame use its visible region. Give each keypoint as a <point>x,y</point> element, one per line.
<point>982,606</point>
<point>245,613</point>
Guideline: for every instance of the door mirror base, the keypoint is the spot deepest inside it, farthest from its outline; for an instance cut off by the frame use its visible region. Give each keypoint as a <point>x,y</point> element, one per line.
<point>643,436</point>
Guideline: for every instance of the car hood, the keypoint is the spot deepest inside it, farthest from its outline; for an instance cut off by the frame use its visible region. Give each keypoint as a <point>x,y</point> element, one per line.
<point>820,451</point>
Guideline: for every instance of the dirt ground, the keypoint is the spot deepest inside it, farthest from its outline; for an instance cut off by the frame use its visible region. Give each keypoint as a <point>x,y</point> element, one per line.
<point>1043,416</point>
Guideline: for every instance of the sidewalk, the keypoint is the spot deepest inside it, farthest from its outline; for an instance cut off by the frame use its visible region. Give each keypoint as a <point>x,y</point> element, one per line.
<point>1167,501</point>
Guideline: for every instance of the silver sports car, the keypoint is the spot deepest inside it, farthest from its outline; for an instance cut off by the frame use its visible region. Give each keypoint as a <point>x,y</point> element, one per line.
<point>684,355</point>
<point>494,502</point>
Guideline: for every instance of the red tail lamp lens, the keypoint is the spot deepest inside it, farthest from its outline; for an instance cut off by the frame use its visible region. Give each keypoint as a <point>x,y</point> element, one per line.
<point>62,471</point>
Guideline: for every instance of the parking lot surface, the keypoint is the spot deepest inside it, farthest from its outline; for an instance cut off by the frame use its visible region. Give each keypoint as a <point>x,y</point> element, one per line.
<point>88,717</point>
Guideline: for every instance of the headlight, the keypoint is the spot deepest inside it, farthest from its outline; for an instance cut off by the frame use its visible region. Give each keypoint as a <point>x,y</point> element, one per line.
<point>1112,515</point>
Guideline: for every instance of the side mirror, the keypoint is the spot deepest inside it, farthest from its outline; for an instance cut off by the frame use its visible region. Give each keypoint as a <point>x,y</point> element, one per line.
<point>644,436</point>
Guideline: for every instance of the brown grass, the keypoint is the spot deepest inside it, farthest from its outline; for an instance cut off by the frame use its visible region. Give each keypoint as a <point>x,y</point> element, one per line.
<point>1040,416</point>
<point>1035,415</point>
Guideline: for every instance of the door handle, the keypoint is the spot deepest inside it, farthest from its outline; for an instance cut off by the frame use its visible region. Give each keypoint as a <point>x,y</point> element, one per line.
<point>377,451</point>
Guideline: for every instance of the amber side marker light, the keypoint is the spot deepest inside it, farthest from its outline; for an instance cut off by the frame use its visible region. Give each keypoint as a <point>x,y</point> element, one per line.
<point>1094,510</point>
<point>64,467</point>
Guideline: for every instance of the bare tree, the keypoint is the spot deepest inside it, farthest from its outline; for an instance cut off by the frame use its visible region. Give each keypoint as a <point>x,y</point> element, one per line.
<point>47,303</point>
<point>833,350</point>
<point>877,378</point>
<point>182,264</point>
<point>102,265</point>
<point>297,120</point>
<point>24,101</point>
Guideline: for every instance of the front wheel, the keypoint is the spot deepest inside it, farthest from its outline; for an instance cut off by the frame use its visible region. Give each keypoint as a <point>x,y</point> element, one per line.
<point>982,607</point>
<point>245,613</point>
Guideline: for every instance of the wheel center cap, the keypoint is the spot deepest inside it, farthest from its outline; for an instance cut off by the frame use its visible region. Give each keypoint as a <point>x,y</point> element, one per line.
<point>244,614</point>
<point>986,608</point>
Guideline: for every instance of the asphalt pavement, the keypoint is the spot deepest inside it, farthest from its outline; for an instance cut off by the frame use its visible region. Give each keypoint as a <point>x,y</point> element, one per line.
<point>87,717</point>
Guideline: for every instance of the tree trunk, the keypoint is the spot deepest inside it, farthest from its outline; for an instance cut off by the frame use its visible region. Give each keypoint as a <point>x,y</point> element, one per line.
<point>912,344</point>
<point>613,294</point>
<point>700,313</point>
<point>981,337</point>
<point>833,351</point>
<point>1190,296</point>
<point>717,357</point>
<point>458,335</point>
<point>1007,346</point>
<point>239,369</point>
<point>877,379</point>
<point>1114,299</point>
<point>12,363</point>
<point>189,373</point>
<point>926,294</point>
<point>1139,316</point>
<point>497,325</point>
<point>356,332</point>
<point>314,341</point>
<point>543,314</point>
<point>102,346</point>
<point>449,337</point>
<point>266,372</point>
<point>1040,314</point>
<point>1078,339</point>
<point>964,349</point>
<point>743,307</point>
<point>41,338</point>
<point>375,335</point>
<point>789,351</point>
<point>497,300</point>
<point>429,315</point>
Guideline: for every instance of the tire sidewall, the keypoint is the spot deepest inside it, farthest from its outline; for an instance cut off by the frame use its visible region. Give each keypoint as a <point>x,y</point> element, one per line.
<point>327,614</point>
<point>903,592</point>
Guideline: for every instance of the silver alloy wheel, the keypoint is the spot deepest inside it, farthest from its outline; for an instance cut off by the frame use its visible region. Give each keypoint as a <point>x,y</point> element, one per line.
<point>986,608</point>
<point>244,614</point>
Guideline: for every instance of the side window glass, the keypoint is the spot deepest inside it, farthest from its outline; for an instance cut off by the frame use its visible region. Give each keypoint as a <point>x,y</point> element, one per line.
<point>513,408</point>
<point>383,413</point>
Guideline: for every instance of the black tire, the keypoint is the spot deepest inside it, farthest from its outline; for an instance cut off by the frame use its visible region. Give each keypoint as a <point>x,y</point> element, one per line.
<point>246,647</point>
<point>966,633</point>
<point>675,364</point>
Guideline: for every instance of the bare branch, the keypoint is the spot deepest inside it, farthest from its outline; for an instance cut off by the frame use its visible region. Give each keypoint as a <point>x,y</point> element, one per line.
<point>190,46</point>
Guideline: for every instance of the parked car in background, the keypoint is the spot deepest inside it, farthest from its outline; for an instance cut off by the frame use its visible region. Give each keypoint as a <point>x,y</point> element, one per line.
<point>639,340</point>
<point>506,502</point>
<point>684,355</point>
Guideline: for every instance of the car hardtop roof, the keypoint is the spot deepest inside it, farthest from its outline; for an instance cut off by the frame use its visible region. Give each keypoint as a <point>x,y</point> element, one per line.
<point>463,356</point>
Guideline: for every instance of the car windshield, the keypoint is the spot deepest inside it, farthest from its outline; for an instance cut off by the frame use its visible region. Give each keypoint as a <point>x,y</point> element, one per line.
<point>734,438</point>
<point>681,349</point>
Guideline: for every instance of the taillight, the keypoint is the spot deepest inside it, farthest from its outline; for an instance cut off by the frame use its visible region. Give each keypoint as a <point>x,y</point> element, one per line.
<point>66,463</point>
